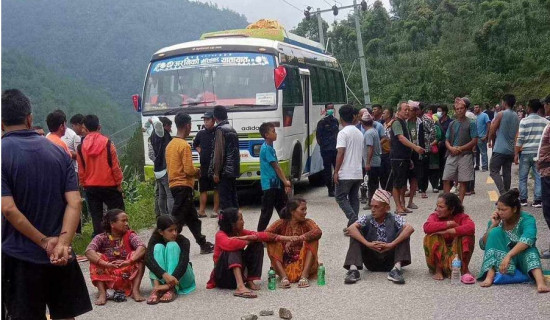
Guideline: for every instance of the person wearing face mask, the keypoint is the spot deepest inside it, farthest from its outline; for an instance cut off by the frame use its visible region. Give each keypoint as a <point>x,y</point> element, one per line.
<point>327,131</point>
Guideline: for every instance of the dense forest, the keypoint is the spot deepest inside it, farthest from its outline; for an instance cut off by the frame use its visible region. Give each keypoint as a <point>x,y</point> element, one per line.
<point>434,50</point>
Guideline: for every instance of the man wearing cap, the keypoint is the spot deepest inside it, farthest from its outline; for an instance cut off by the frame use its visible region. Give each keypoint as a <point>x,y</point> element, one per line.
<point>380,241</point>
<point>371,155</point>
<point>326,134</point>
<point>160,137</point>
<point>203,143</point>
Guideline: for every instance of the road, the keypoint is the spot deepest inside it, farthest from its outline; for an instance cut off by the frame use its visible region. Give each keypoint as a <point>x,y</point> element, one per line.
<point>373,297</point>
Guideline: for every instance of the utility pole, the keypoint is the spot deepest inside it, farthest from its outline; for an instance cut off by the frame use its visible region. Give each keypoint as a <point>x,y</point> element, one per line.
<point>362,60</point>
<point>363,7</point>
<point>320,23</point>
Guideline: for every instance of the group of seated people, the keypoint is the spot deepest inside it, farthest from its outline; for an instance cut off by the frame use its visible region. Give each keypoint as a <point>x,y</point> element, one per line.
<point>380,241</point>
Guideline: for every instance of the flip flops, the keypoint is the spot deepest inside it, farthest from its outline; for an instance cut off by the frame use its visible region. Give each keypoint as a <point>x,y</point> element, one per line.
<point>284,283</point>
<point>169,296</point>
<point>303,283</point>
<point>246,295</point>
<point>467,279</point>
<point>153,298</point>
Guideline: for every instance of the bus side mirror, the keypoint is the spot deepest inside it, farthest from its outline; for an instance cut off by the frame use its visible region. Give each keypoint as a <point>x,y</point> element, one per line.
<point>280,75</point>
<point>136,99</point>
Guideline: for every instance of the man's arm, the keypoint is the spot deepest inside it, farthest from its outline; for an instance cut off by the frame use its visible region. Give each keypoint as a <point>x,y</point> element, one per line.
<point>495,124</point>
<point>71,218</point>
<point>218,154</point>
<point>18,220</point>
<point>339,161</point>
<point>370,151</point>
<point>403,235</point>
<point>519,141</point>
<point>409,144</point>
<point>353,232</point>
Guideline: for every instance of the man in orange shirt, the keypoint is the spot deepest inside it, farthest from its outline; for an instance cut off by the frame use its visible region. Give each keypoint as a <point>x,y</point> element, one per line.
<point>57,124</point>
<point>181,180</point>
<point>99,172</point>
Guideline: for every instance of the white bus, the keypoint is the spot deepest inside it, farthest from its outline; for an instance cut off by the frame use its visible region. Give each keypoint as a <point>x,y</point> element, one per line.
<point>259,75</point>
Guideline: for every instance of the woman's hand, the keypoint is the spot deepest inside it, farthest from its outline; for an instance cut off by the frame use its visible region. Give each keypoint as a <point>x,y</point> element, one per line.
<point>170,280</point>
<point>451,224</point>
<point>504,264</point>
<point>495,219</point>
<point>125,263</point>
<point>246,238</point>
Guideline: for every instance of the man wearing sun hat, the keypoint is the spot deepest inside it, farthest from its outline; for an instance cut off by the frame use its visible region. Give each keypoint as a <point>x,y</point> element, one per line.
<point>380,241</point>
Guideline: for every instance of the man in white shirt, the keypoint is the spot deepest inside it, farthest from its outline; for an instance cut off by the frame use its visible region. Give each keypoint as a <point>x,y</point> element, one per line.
<point>72,140</point>
<point>348,172</point>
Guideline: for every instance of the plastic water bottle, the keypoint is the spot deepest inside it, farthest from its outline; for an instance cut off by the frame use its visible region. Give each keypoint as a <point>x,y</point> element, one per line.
<point>455,270</point>
<point>321,275</point>
<point>271,279</point>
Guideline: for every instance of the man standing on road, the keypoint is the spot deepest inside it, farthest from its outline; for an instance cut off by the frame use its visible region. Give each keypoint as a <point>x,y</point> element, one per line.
<point>400,156</point>
<point>380,241</point>
<point>529,137</point>
<point>99,172</point>
<point>372,157</point>
<point>482,123</point>
<point>348,173</point>
<point>226,159</point>
<point>326,134</point>
<point>160,138</point>
<point>460,139</point>
<point>502,135</point>
<point>41,209</point>
<point>203,143</point>
<point>543,166</point>
<point>181,178</point>
<point>57,123</point>
<point>444,121</point>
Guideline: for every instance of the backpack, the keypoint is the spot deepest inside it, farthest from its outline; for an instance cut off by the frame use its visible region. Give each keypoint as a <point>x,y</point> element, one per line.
<point>109,155</point>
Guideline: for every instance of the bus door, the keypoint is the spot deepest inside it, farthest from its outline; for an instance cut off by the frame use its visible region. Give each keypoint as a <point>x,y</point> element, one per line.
<point>306,91</point>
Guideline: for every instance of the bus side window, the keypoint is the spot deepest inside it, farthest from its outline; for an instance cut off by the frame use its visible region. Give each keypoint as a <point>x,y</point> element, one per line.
<point>339,87</point>
<point>292,93</point>
<point>315,84</point>
<point>331,85</point>
<point>323,88</point>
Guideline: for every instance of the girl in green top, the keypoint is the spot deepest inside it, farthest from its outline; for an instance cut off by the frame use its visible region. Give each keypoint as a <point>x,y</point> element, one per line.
<point>509,243</point>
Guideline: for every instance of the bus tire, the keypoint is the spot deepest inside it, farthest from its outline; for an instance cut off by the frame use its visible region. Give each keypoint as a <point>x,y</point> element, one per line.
<point>296,164</point>
<point>316,179</point>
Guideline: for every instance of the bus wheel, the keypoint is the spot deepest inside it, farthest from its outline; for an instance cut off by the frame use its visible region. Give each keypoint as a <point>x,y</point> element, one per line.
<point>317,179</point>
<point>296,164</point>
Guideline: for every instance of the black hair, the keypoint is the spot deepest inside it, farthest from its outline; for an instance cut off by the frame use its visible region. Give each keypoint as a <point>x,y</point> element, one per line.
<point>511,199</point>
<point>329,104</point>
<point>110,217</point>
<point>535,105</point>
<point>37,128</point>
<point>347,112</point>
<point>291,205</point>
<point>546,100</point>
<point>379,106</point>
<point>510,100</point>
<point>227,219</point>
<point>444,108</point>
<point>165,221</point>
<point>55,119</point>
<point>165,121</point>
<point>77,119</point>
<point>220,112</point>
<point>452,201</point>
<point>390,110</point>
<point>265,127</point>
<point>422,105</point>
<point>368,123</point>
<point>15,107</point>
<point>91,122</point>
<point>181,119</point>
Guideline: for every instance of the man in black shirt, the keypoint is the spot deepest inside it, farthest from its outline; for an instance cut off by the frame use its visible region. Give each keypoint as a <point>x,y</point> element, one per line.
<point>326,134</point>
<point>203,143</point>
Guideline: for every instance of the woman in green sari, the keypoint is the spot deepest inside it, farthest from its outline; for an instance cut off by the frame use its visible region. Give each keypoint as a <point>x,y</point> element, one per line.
<point>509,243</point>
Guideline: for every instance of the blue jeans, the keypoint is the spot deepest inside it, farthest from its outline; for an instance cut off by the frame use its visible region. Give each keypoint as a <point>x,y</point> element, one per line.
<point>526,164</point>
<point>347,196</point>
<point>482,146</point>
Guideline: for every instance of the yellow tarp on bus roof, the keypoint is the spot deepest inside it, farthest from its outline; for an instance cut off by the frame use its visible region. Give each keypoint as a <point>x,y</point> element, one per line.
<point>264,29</point>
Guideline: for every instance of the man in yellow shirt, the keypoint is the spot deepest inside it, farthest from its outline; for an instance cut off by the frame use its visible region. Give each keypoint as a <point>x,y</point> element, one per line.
<point>181,180</point>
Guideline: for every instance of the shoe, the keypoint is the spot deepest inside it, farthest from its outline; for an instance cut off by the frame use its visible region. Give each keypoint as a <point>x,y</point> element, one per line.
<point>412,206</point>
<point>537,204</point>
<point>367,207</point>
<point>214,215</point>
<point>545,254</point>
<point>363,200</point>
<point>396,276</point>
<point>523,202</point>
<point>484,170</point>
<point>331,194</point>
<point>435,190</point>
<point>453,190</point>
<point>476,168</point>
<point>352,276</point>
<point>207,248</point>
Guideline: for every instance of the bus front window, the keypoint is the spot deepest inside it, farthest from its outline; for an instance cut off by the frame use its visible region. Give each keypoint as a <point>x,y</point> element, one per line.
<point>204,80</point>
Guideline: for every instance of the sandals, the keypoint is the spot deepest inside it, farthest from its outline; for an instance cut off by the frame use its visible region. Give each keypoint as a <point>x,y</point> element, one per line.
<point>169,296</point>
<point>246,295</point>
<point>303,283</point>
<point>284,283</point>
<point>467,279</point>
<point>424,195</point>
<point>153,298</point>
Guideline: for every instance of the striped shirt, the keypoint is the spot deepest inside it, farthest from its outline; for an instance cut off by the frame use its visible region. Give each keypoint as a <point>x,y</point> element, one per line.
<point>530,133</point>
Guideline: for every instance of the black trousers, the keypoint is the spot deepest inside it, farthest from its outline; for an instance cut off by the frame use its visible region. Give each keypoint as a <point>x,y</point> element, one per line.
<point>545,188</point>
<point>272,198</point>
<point>442,161</point>
<point>374,181</point>
<point>250,260</point>
<point>385,182</point>
<point>329,161</point>
<point>96,197</point>
<point>429,175</point>
<point>227,192</point>
<point>359,254</point>
<point>184,212</point>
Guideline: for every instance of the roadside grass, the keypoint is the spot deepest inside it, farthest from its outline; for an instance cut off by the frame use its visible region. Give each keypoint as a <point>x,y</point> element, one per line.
<point>139,207</point>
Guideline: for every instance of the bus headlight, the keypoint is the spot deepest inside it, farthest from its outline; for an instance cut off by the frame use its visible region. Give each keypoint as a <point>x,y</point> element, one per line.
<point>256,150</point>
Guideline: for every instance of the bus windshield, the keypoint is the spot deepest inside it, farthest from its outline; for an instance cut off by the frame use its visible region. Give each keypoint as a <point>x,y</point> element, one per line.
<point>195,82</point>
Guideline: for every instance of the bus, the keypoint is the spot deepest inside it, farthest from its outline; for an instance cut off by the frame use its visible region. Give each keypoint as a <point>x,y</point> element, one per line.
<point>259,75</point>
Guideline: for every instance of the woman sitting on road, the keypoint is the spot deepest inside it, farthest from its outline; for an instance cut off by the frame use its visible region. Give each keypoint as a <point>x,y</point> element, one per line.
<point>509,243</point>
<point>296,260</point>
<point>116,259</point>
<point>238,257</point>
<point>449,231</point>
<point>167,258</point>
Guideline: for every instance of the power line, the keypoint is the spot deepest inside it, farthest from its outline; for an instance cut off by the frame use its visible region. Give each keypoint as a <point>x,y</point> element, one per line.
<point>290,4</point>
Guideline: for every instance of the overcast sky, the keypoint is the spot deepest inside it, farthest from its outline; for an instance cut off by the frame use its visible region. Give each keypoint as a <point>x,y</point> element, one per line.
<point>288,12</point>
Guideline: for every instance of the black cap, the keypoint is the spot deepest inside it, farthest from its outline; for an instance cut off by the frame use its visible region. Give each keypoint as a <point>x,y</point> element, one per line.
<point>208,114</point>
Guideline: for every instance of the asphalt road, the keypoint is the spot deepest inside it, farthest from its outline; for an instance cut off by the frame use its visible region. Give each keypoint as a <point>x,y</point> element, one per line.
<point>373,297</point>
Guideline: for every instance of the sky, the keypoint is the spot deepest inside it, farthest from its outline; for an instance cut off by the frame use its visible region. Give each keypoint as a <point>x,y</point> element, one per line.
<point>288,12</point>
